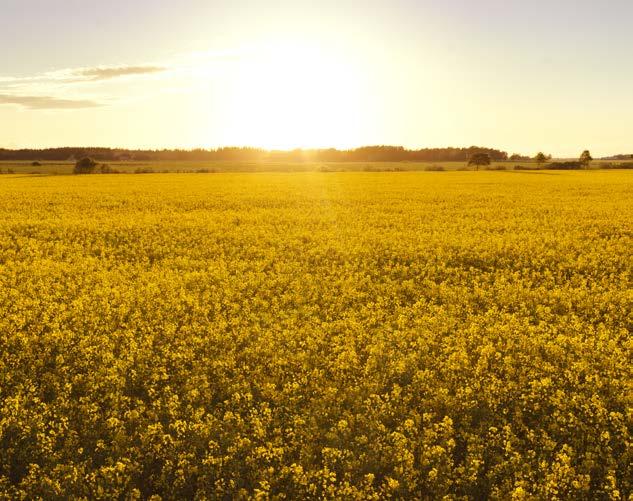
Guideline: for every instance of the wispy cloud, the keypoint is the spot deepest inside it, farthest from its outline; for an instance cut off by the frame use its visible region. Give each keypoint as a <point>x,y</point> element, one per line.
<point>107,73</point>
<point>79,75</point>
<point>93,86</point>
<point>47,102</point>
<point>58,90</point>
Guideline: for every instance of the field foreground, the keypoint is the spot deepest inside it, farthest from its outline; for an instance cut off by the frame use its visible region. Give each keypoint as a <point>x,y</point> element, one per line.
<point>310,335</point>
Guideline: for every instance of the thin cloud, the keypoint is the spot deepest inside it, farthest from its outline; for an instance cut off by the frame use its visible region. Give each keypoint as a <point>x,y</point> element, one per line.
<point>79,75</point>
<point>107,73</point>
<point>47,102</point>
<point>57,89</point>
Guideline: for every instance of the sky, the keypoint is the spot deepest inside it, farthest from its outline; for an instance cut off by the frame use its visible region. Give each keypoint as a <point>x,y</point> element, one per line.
<point>522,76</point>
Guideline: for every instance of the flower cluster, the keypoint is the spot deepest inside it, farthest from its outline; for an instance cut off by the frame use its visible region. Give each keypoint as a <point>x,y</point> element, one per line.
<point>317,335</point>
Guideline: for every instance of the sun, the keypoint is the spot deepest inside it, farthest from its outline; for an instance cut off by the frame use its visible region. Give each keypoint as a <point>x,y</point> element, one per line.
<point>290,96</point>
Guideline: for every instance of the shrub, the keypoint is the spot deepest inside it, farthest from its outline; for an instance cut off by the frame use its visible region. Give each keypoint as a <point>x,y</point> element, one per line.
<point>624,165</point>
<point>85,166</point>
<point>434,168</point>
<point>564,166</point>
<point>382,168</point>
<point>106,169</point>
<point>36,164</point>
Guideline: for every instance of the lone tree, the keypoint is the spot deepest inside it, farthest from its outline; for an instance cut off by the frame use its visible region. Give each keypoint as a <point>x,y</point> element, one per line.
<point>478,159</point>
<point>585,159</point>
<point>85,166</point>
<point>540,159</point>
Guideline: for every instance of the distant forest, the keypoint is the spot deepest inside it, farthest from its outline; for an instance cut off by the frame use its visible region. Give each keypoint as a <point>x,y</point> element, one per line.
<point>363,154</point>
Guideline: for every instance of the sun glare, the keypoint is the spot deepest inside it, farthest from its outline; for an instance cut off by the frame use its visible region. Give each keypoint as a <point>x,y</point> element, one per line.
<point>291,97</point>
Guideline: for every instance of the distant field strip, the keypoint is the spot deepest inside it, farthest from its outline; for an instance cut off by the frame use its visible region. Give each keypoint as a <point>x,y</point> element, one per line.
<point>317,335</point>
<point>210,167</point>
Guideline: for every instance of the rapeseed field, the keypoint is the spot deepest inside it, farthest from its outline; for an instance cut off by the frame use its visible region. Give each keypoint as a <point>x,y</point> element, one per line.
<point>453,335</point>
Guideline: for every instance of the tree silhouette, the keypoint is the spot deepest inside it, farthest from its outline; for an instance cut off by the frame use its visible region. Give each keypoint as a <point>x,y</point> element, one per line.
<point>85,166</point>
<point>517,157</point>
<point>585,159</point>
<point>478,159</point>
<point>540,159</point>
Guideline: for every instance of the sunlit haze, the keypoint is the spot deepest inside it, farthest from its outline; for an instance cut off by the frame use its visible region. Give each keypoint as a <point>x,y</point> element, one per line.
<point>520,76</point>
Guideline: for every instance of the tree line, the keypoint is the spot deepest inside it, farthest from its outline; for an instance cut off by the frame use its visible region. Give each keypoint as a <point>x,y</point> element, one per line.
<point>88,165</point>
<point>246,154</point>
<point>481,159</point>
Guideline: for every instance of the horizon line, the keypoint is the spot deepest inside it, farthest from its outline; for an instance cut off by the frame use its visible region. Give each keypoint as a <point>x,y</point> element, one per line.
<point>211,149</point>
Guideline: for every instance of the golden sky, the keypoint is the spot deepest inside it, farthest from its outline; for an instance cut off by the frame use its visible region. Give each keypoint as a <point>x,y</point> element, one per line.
<point>520,76</point>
